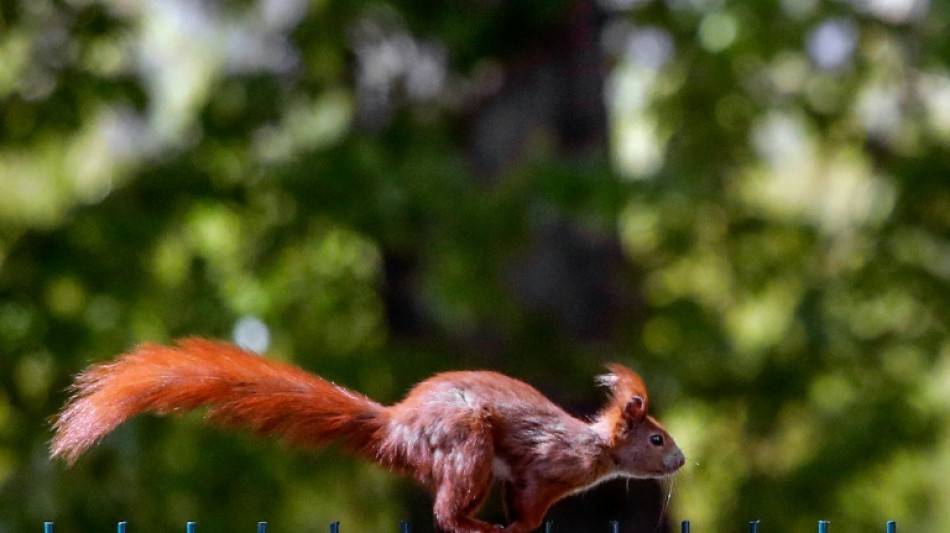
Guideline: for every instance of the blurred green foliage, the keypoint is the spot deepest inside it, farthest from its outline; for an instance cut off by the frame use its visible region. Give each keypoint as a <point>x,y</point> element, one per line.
<point>763,230</point>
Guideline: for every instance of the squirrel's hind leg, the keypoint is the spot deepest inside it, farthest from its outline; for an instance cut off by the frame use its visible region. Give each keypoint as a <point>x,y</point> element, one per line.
<point>463,480</point>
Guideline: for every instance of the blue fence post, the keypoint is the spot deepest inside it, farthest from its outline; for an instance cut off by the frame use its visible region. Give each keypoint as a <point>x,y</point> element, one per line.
<point>754,526</point>
<point>334,527</point>
<point>823,526</point>
<point>120,527</point>
<point>891,527</point>
<point>684,527</point>
<point>262,527</point>
<point>189,527</point>
<point>548,526</point>
<point>614,527</point>
<point>47,527</point>
<point>404,526</point>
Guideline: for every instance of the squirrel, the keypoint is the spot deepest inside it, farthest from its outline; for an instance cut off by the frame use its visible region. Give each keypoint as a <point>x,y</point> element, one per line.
<point>453,432</point>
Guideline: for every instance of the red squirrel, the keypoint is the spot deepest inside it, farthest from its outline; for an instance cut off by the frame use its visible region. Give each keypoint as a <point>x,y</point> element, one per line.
<point>453,432</point>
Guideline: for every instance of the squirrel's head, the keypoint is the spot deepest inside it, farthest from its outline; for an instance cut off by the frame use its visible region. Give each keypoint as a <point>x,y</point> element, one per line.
<point>636,443</point>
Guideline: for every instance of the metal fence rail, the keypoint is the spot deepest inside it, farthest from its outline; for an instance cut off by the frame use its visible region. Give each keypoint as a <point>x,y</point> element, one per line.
<point>614,527</point>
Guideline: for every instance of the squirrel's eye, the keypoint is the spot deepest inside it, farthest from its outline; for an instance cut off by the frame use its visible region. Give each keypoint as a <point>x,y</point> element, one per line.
<point>656,440</point>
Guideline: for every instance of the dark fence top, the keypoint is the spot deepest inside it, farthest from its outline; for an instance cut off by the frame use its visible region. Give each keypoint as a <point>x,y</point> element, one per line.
<point>614,527</point>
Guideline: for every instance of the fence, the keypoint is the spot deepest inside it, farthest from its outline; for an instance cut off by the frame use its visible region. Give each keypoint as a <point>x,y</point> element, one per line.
<point>191,527</point>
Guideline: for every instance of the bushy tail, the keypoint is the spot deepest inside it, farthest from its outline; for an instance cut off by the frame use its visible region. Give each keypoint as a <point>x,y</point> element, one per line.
<point>241,388</point>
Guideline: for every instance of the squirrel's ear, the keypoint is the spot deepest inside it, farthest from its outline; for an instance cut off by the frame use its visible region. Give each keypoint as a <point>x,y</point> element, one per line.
<point>628,393</point>
<point>625,383</point>
<point>635,409</point>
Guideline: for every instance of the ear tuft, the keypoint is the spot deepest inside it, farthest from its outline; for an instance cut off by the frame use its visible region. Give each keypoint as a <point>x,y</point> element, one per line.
<point>628,392</point>
<point>607,380</point>
<point>624,383</point>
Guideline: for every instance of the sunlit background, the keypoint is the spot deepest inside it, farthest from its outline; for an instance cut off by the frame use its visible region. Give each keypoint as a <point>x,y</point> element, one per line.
<point>746,201</point>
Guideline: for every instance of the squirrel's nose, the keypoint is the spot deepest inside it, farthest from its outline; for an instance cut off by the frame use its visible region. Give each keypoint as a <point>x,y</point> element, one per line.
<point>674,460</point>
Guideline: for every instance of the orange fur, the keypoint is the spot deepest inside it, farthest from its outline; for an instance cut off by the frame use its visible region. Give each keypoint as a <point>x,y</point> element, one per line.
<point>270,397</point>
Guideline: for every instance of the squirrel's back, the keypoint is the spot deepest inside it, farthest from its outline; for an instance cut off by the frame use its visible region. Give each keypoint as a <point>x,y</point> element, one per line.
<point>481,422</point>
